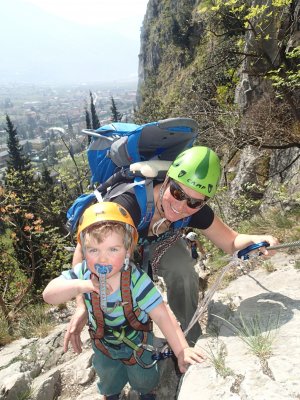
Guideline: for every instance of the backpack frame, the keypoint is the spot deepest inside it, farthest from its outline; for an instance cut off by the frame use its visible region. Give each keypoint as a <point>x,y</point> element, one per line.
<point>115,147</point>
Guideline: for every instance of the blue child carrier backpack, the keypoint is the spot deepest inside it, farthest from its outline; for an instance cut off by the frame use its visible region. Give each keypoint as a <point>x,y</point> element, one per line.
<point>116,146</point>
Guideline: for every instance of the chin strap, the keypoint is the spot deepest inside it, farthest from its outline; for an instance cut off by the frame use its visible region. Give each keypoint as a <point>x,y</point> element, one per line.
<point>157,225</point>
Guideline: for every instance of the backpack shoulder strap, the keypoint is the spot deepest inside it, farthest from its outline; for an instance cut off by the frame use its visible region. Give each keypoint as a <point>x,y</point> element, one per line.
<point>181,223</point>
<point>145,199</point>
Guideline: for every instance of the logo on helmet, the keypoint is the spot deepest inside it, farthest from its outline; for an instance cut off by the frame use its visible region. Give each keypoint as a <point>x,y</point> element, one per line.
<point>181,173</point>
<point>197,185</point>
<point>210,187</point>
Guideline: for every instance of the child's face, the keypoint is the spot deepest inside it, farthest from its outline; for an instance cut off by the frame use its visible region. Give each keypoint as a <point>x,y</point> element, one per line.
<point>110,251</point>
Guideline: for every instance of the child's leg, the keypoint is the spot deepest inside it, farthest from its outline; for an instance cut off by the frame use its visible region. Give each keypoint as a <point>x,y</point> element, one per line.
<point>112,373</point>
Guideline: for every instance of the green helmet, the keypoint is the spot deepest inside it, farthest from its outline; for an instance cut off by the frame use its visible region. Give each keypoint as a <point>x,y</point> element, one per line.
<point>197,168</point>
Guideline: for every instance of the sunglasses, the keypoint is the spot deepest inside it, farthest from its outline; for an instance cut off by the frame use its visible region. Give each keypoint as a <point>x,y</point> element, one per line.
<point>179,195</point>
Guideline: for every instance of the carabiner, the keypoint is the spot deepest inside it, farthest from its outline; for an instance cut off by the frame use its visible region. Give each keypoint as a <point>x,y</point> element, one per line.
<point>244,253</point>
<point>146,347</point>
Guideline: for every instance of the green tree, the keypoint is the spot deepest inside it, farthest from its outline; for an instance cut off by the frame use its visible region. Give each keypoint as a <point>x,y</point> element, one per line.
<point>17,160</point>
<point>31,244</point>
<point>88,119</point>
<point>116,116</point>
<point>95,119</point>
<point>46,176</point>
<point>88,124</point>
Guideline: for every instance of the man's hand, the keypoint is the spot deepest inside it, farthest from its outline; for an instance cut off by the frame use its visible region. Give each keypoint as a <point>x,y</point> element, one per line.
<point>74,329</point>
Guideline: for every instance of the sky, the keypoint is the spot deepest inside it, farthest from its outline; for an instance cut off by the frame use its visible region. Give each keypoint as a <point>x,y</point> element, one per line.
<point>70,41</point>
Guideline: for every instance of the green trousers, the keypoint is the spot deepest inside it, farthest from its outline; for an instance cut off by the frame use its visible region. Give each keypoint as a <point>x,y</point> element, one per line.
<point>177,269</point>
<point>113,374</point>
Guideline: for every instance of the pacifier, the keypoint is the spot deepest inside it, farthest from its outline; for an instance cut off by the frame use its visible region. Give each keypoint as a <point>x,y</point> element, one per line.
<point>102,269</point>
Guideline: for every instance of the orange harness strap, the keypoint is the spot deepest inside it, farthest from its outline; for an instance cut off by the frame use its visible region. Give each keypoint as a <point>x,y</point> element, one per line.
<point>130,315</point>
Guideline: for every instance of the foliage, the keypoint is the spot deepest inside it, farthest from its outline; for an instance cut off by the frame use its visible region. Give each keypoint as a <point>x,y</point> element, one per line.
<point>116,116</point>
<point>216,357</point>
<point>17,160</point>
<point>284,78</point>
<point>32,243</point>
<point>268,266</point>
<point>5,335</point>
<point>35,322</point>
<point>202,79</point>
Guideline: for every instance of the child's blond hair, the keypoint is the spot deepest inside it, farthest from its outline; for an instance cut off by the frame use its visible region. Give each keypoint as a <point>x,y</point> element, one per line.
<point>99,232</point>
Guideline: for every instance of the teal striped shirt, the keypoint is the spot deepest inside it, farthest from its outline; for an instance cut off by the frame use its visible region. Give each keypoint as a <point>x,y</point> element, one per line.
<point>145,296</point>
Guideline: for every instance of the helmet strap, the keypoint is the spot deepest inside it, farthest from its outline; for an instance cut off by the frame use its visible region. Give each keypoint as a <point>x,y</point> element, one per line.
<point>162,190</point>
<point>157,225</point>
<point>126,262</point>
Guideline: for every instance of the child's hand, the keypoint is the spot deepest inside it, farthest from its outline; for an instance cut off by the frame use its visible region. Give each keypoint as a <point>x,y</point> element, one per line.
<point>74,329</point>
<point>190,355</point>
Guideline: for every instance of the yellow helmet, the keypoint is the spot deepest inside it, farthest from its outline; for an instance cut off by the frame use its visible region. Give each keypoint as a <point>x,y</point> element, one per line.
<point>106,211</point>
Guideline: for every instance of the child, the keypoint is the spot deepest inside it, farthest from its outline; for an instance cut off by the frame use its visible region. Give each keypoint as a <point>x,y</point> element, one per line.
<point>120,298</point>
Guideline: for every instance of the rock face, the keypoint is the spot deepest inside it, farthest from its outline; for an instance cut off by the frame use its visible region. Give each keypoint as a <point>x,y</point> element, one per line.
<point>37,369</point>
<point>270,304</point>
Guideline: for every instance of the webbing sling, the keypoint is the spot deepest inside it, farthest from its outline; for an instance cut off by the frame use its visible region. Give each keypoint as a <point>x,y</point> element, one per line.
<point>130,315</point>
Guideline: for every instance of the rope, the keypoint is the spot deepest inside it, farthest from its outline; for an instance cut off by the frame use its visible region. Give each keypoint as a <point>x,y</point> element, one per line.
<point>233,263</point>
<point>207,298</point>
<point>160,250</point>
<point>285,245</point>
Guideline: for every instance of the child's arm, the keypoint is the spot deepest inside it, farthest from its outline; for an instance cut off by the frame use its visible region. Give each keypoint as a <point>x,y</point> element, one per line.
<point>167,323</point>
<point>60,290</point>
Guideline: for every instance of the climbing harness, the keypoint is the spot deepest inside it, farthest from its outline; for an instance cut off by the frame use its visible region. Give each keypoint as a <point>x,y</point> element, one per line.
<point>130,315</point>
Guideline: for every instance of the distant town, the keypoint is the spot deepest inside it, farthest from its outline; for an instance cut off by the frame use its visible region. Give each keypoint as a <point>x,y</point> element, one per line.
<point>45,116</point>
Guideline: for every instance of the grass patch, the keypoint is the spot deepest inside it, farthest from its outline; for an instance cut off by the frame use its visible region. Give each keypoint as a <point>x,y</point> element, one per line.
<point>268,266</point>
<point>36,322</point>
<point>216,357</point>
<point>258,335</point>
<point>297,264</point>
<point>5,336</point>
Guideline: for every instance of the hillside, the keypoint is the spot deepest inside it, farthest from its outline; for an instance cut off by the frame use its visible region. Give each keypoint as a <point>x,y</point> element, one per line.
<point>233,67</point>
